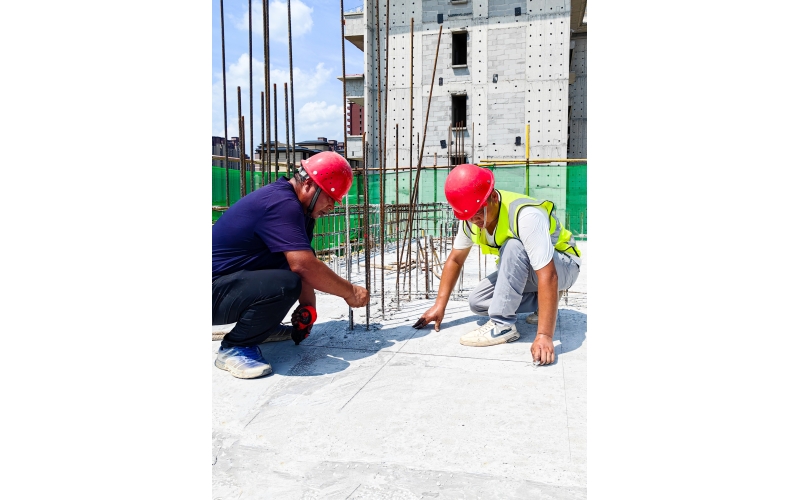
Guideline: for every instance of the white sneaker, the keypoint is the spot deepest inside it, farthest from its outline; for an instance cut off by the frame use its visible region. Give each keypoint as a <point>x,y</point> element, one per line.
<point>243,362</point>
<point>490,334</point>
<point>533,318</point>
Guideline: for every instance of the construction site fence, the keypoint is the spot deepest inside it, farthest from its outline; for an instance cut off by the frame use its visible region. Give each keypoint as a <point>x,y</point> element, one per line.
<point>564,185</point>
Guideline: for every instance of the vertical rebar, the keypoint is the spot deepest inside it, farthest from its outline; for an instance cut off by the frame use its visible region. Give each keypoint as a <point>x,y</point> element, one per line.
<point>410,160</point>
<point>263,165</point>
<point>224,106</point>
<point>346,195</point>
<point>348,256</point>
<point>242,161</point>
<point>381,145</point>
<point>397,209</point>
<point>411,118</point>
<point>380,100</point>
<point>275,105</point>
<point>463,143</point>
<point>385,131</point>
<point>461,281</point>
<point>381,180</point>
<point>344,86</point>
<point>364,146</point>
<point>422,148</point>
<point>250,67</point>
<point>449,140</point>
<point>291,82</point>
<point>427,283</point>
<point>240,119</point>
<point>265,19</point>
<point>289,173</point>
<point>472,142</point>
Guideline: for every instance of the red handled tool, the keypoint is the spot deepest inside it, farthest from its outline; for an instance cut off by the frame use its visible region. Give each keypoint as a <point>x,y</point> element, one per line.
<point>302,319</point>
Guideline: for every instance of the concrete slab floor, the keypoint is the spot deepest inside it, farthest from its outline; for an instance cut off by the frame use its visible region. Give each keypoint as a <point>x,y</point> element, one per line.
<point>393,412</point>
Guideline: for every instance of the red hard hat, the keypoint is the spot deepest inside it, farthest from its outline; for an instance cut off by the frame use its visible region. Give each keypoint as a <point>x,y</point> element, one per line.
<point>331,172</point>
<point>467,188</point>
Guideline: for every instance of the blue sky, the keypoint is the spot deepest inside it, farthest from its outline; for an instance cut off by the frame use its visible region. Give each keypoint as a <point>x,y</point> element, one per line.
<point>316,57</point>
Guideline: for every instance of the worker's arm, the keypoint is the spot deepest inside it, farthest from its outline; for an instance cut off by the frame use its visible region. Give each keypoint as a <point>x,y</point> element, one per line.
<point>317,276</point>
<point>307,296</point>
<point>542,347</point>
<point>452,267</point>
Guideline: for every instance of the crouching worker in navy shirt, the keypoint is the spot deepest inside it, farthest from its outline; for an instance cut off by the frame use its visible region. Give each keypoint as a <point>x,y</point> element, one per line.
<point>263,263</point>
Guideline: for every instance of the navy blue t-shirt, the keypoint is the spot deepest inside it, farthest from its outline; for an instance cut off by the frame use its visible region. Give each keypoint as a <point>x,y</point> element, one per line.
<point>255,231</point>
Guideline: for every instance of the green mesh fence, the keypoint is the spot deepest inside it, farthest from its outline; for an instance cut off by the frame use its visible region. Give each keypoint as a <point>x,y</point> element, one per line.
<point>565,186</point>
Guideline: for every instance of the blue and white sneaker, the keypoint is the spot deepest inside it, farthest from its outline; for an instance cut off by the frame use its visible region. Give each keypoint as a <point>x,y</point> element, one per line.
<point>490,334</point>
<point>243,362</point>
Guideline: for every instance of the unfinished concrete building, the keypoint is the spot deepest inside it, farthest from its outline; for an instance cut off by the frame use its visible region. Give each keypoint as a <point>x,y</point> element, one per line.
<point>502,65</point>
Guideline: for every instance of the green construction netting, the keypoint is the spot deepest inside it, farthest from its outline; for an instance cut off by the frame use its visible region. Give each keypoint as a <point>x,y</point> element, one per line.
<point>565,186</point>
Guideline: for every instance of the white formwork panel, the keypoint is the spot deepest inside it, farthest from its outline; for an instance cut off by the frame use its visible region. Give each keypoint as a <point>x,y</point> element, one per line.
<point>400,13</point>
<point>506,120</point>
<point>539,8</point>
<point>506,52</point>
<point>546,111</point>
<point>577,101</point>
<point>400,57</point>
<point>555,7</point>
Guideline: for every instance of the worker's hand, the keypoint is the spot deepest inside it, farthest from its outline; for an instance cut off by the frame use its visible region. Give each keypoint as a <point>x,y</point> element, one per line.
<point>303,319</point>
<point>360,297</point>
<point>435,314</point>
<point>542,349</point>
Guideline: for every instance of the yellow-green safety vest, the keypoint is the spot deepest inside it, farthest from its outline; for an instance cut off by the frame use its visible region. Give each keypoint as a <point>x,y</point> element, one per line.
<point>512,203</point>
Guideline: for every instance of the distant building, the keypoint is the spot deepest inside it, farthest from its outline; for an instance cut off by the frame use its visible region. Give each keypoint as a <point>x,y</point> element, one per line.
<point>218,149</point>
<point>355,119</point>
<point>502,68</point>
<point>300,153</point>
<point>322,144</point>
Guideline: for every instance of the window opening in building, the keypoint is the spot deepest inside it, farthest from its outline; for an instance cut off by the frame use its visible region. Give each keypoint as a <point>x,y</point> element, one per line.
<point>460,48</point>
<point>459,111</point>
<point>458,159</point>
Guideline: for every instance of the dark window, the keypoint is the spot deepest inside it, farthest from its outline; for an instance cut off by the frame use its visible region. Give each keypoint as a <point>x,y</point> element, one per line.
<point>458,159</point>
<point>459,48</point>
<point>459,111</point>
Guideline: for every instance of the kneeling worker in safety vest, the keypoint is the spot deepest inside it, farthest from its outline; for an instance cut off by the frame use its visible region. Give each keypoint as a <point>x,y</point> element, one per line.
<point>538,260</point>
<point>263,263</point>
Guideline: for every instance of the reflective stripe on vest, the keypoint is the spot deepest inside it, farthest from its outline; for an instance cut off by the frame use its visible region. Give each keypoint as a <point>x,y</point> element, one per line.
<point>512,203</point>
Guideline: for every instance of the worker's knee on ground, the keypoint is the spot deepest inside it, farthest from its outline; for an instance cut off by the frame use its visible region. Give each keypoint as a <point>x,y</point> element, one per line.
<point>476,306</point>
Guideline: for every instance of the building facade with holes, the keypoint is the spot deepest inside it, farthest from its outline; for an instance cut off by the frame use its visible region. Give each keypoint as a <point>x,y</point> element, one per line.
<point>502,65</point>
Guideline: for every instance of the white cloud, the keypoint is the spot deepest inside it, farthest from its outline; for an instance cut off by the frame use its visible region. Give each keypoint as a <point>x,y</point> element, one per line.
<point>320,110</point>
<point>305,84</point>
<point>320,119</point>
<point>314,118</point>
<point>278,20</point>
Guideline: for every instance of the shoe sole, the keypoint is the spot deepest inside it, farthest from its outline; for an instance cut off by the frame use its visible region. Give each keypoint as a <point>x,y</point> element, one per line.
<point>219,336</point>
<point>499,341</point>
<point>239,373</point>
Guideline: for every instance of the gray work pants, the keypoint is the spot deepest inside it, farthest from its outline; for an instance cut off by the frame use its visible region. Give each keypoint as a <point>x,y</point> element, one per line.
<point>513,288</point>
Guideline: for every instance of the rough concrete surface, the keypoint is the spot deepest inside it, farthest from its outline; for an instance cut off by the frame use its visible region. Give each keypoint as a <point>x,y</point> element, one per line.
<point>394,412</point>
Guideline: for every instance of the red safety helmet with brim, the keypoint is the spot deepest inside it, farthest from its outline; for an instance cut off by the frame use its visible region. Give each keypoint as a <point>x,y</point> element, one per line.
<point>467,188</point>
<point>331,172</point>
